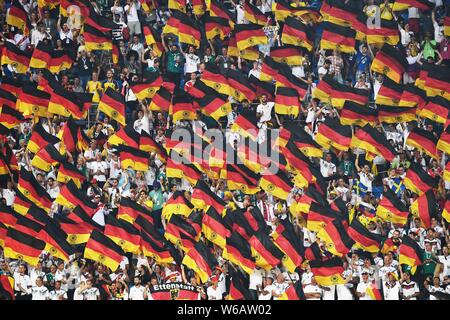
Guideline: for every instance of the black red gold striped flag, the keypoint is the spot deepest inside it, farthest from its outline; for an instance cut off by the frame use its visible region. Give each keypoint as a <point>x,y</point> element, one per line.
<point>149,87</point>
<point>288,241</point>
<point>7,287</point>
<point>285,78</point>
<point>328,272</point>
<point>277,184</point>
<point>337,37</point>
<point>262,87</point>
<point>95,20</point>
<point>390,114</point>
<point>70,196</point>
<point>444,141</point>
<point>95,39</point>
<point>418,180</point>
<point>73,138</point>
<point>384,32</point>
<point>41,56</point>
<point>112,103</point>
<point>67,171</point>
<point>390,62</point>
<point>31,188</point>
<point>189,31</point>
<point>198,7</point>
<point>411,254</point>
<point>101,249</point>
<point>293,292</point>
<point>11,85</point>
<point>424,141</point>
<point>21,203</point>
<point>424,207</point>
<point>130,211</point>
<point>267,255</point>
<point>338,12</point>
<point>161,100</point>
<point>269,69</point>
<point>364,238</point>
<point>17,16</point>
<point>249,35</point>
<point>412,96</point>
<point>46,158</point>
<point>237,251</point>
<point>289,54</point>
<point>303,141</point>
<point>177,204</point>
<point>239,289</point>
<point>182,108</point>
<point>446,209</point>
<point>10,117</point>
<point>134,158</point>
<point>437,109</point>
<point>216,106</point>
<point>356,114</point>
<point>123,233</point>
<point>7,216</point>
<point>8,98</point>
<point>297,33</point>
<point>179,5</point>
<point>22,246</point>
<point>179,167</point>
<point>216,8</point>
<point>390,93</point>
<point>216,26</point>
<point>336,239</point>
<point>320,216</point>
<point>240,88</point>
<point>201,260</point>
<point>401,5</point>
<point>333,134</point>
<point>373,141</point>
<point>436,81</point>
<point>202,196</point>
<point>240,177</point>
<point>287,102</point>
<point>55,241</point>
<point>214,228</point>
<point>245,125</point>
<point>253,14</point>
<point>392,209</point>
<point>214,79</point>
<point>32,101</point>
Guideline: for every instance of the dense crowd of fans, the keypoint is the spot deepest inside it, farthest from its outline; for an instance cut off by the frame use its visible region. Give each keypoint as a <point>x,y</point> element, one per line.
<point>423,39</point>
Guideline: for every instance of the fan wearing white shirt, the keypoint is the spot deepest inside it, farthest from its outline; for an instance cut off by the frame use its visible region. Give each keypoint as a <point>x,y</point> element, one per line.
<point>58,293</point>
<point>264,110</point>
<point>137,292</point>
<point>192,60</point>
<point>361,289</point>
<point>89,292</point>
<point>327,168</point>
<point>312,291</point>
<point>280,286</point>
<point>22,283</point>
<point>266,292</point>
<point>213,291</point>
<point>142,122</point>
<point>39,292</point>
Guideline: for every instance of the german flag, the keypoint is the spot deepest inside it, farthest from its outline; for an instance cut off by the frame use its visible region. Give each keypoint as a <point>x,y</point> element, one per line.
<point>173,23</point>
<point>33,101</point>
<point>153,39</point>
<point>289,242</point>
<point>148,144</point>
<point>254,15</point>
<point>94,39</point>
<point>179,5</point>
<point>17,16</point>
<point>216,106</point>
<point>70,196</point>
<point>444,141</point>
<point>269,69</point>
<point>423,140</point>
<point>237,251</point>
<point>390,62</point>
<point>303,141</point>
<point>47,158</point>
<point>39,216</point>
<point>343,93</point>
<point>200,89</point>
<point>401,5</point>
<point>332,134</point>
<point>418,180</point>
<point>410,253</point>
<point>299,164</point>
<point>447,172</point>
<point>11,86</point>
<point>285,78</point>
<point>267,255</point>
<point>214,227</point>
<point>148,88</point>
<point>202,197</point>
<point>446,210</point>
<point>112,103</point>
<point>391,209</point>
<point>10,117</point>
<point>73,137</point>
<point>386,32</point>
<point>263,87</point>
<point>4,172</point>
<point>55,241</point>
<point>77,232</point>
<point>297,33</point>
<point>337,12</point>
<point>60,60</point>
<point>214,79</point>
<point>42,54</point>
<point>7,98</point>
<point>325,89</point>
<point>125,135</point>
<point>216,26</point>
<point>239,286</point>
<point>319,216</point>
<point>123,233</point>
<point>182,108</point>
<point>189,31</point>
<point>155,250</point>
<point>130,210</point>
<point>182,168</point>
<point>217,9</point>
<point>336,239</point>
<point>337,37</point>
<point>251,53</point>
<point>240,88</point>
<point>278,185</point>
<point>239,177</point>
<point>436,82</point>
<point>198,7</point>
<point>364,239</point>
<point>66,104</point>
<point>328,272</point>
<point>177,204</point>
<point>201,260</point>
<point>133,158</point>
<point>30,188</point>
<point>101,249</point>
<point>373,141</point>
<point>412,96</point>
<point>21,203</point>
<point>424,207</point>
<point>22,246</point>
<point>293,292</point>
<point>289,54</point>
<point>356,114</point>
<point>389,114</point>
<point>8,217</point>
<point>249,35</point>
<point>7,287</point>
<point>245,125</point>
<point>287,101</point>
<point>67,171</point>
<point>390,93</point>
<point>161,100</point>
<point>374,292</point>
<point>437,109</point>
<point>97,21</point>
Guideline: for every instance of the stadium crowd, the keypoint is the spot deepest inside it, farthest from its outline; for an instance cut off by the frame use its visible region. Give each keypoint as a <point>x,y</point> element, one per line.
<point>355,182</point>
